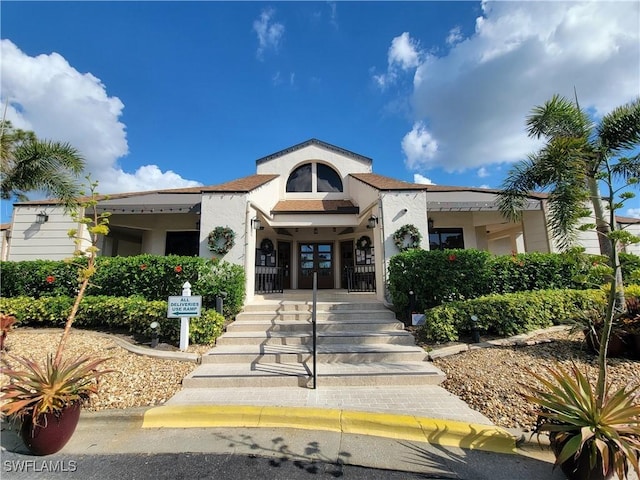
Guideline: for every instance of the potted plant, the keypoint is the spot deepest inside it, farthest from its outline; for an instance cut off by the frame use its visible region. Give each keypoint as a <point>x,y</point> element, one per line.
<point>47,397</point>
<point>591,440</point>
<point>6,322</point>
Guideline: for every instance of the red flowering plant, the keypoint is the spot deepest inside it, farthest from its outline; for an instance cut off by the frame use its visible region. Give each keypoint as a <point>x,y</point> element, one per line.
<point>178,269</point>
<point>35,389</point>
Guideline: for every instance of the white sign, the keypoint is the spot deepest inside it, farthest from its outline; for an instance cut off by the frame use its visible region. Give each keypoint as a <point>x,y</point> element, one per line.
<point>184,306</point>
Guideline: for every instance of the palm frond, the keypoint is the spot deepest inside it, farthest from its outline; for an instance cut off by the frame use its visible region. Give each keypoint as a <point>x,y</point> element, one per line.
<point>619,130</point>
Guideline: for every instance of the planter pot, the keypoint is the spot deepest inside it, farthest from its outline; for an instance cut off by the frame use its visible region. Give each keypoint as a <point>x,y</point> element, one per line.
<point>615,349</point>
<point>53,431</point>
<point>579,469</point>
<point>634,345</point>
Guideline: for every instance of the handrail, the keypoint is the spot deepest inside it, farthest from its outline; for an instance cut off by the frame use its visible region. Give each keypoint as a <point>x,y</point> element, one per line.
<point>314,328</point>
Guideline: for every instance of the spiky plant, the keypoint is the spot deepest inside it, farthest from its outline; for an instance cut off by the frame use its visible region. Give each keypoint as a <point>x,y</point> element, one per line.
<point>571,412</point>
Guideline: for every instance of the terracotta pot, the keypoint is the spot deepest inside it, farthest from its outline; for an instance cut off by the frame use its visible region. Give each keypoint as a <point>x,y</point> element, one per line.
<point>52,432</point>
<point>579,469</point>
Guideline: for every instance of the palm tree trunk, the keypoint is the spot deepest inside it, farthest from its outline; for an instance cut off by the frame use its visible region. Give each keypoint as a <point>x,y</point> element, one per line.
<point>602,225</point>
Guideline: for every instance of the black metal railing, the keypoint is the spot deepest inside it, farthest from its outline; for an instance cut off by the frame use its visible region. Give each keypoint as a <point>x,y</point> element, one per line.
<point>314,329</point>
<point>269,280</point>
<point>361,278</point>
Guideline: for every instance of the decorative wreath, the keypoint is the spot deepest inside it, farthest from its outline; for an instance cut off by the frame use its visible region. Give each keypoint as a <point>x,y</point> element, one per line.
<point>221,240</point>
<point>266,246</point>
<point>400,237</point>
<point>363,243</point>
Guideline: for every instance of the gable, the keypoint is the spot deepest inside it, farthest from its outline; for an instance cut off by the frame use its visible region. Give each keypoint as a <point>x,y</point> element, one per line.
<point>285,161</point>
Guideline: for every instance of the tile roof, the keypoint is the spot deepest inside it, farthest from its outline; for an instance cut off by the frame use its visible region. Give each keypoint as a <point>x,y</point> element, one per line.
<point>315,206</point>
<point>244,184</point>
<point>386,183</point>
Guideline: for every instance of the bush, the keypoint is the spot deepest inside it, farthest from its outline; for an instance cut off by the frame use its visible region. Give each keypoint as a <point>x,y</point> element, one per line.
<point>451,275</point>
<point>508,314</point>
<point>131,314</point>
<point>152,277</point>
<point>630,267</point>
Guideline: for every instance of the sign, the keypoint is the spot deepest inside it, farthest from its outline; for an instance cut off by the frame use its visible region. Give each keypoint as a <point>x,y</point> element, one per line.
<point>184,306</point>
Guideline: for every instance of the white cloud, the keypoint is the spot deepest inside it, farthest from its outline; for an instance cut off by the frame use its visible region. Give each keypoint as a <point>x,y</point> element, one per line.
<point>50,97</point>
<point>476,96</point>
<point>455,35</point>
<point>419,147</point>
<point>404,54</point>
<point>417,178</point>
<point>633,212</point>
<point>482,172</point>
<point>269,33</point>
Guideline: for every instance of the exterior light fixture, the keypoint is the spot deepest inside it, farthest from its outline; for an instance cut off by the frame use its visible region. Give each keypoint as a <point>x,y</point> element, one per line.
<point>154,334</point>
<point>372,221</point>
<point>430,223</point>
<point>315,231</point>
<point>42,217</point>
<point>475,330</point>
<point>256,224</point>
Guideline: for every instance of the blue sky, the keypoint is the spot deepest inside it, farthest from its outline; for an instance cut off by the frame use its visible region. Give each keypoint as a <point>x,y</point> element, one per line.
<point>172,94</point>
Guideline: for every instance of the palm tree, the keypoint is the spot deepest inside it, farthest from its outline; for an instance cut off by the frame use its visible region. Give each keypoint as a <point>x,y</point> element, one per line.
<point>576,156</point>
<point>29,164</point>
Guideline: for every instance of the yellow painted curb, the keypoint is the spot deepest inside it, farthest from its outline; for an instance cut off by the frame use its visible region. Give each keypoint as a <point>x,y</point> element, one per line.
<point>301,417</point>
<point>471,436</point>
<point>201,416</point>
<point>402,427</point>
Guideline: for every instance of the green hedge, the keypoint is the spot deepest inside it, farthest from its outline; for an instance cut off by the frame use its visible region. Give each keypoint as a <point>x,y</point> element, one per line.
<point>132,314</point>
<point>508,314</point>
<point>440,276</point>
<point>153,277</point>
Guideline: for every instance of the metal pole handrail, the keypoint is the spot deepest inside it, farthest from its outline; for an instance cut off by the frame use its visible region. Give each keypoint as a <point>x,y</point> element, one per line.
<point>313,322</point>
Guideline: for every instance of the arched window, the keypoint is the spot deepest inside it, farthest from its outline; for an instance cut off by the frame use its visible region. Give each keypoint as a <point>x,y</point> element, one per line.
<point>328,179</point>
<point>300,179</point>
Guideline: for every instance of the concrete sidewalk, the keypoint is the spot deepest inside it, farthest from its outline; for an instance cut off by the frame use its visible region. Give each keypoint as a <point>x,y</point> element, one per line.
<point>122,433</point>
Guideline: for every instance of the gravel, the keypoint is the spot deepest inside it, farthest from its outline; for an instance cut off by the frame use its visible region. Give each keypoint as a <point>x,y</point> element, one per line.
<point>138,381</point>
<point>488,379</point>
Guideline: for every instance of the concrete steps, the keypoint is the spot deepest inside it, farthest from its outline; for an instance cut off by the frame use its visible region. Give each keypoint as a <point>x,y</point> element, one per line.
<point>359,343</point>
<point>329,374</point>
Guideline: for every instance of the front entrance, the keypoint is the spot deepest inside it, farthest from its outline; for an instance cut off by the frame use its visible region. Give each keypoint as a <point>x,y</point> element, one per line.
<point>316,257</point>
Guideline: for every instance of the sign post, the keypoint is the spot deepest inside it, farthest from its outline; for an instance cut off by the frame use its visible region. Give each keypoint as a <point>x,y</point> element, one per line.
<point>184,307</point>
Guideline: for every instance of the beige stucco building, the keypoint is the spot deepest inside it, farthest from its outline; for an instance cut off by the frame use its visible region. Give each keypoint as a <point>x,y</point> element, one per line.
<point>313,207</point>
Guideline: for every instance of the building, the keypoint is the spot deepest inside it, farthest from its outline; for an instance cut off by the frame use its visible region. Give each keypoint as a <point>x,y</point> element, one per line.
<point>313,207</point>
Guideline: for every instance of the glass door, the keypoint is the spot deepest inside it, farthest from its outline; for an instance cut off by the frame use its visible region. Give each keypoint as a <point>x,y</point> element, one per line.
<point>316,257</point>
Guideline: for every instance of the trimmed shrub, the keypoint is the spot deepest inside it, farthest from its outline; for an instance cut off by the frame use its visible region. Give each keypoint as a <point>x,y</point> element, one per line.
<point>152,277</point>
<point>438,276</point>
<point>131,314</point>
<point>508,314</point>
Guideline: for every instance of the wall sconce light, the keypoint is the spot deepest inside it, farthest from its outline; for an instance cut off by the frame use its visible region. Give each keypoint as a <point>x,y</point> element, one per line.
<point>315,231</point>
<point>42,217</point>
<point>256,224</point>
<point>430,223</point>
<point>372,221</point>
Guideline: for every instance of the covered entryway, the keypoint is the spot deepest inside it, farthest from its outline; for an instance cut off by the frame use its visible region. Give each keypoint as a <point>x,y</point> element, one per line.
<point>316,257</point>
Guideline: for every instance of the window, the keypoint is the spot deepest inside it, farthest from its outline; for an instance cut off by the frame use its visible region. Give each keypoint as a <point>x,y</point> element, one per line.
<point>301,179</point>
<point>442,238</point>
<point>182,243</point>
<point>328,179</point>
